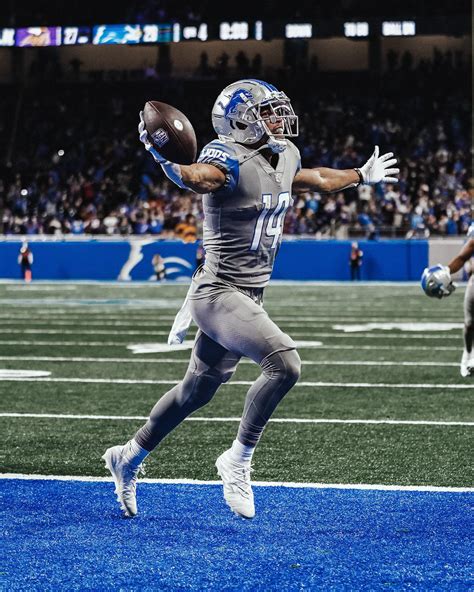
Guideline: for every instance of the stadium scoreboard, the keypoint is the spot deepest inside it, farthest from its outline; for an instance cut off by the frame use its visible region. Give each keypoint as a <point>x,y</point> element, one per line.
<point>173,32</point>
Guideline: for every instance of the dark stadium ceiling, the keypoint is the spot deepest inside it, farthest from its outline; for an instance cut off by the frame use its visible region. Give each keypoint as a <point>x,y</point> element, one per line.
<point>24,13</point>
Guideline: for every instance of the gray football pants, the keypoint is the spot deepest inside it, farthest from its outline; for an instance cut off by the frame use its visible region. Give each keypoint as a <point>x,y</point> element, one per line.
<point>469,314</point>
<point>231,324</point>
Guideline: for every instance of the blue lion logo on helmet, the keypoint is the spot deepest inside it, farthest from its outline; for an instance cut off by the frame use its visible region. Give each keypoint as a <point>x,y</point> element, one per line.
<point>239,97</point>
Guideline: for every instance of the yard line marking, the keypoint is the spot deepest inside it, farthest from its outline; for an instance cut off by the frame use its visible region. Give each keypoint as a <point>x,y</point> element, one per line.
<point>300,346</point>
<point>237,419</point>
<point>81,323</point>
<point>334,335</point>
<point>80,332</point>
<point>112,321</point>
<point>186,361</point>
<point>147,303</point>
<point>290,484</point>
<point>407,326</point>
<point>245,383</point>
<point>145,314</point>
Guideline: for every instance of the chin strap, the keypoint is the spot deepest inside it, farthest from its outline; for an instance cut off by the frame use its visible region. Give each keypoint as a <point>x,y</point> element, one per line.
<point>276,146</point>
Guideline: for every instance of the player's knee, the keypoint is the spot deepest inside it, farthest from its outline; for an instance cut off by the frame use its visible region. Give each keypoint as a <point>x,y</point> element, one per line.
<point>285,365</point>
<point>293,366</point>
<point>197,390</point>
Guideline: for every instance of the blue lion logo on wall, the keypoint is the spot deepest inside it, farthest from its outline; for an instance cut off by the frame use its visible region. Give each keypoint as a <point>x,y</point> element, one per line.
<point>179,260</point>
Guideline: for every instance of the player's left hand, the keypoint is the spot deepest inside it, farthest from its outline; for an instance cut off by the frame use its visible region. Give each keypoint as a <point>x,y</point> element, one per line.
<point>379,168</point>
<point>144,139</point>
<point>436,281</point>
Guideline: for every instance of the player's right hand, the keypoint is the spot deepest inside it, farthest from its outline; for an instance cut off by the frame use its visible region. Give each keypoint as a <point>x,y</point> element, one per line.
<point>145,140</point>
<point>436,281</point>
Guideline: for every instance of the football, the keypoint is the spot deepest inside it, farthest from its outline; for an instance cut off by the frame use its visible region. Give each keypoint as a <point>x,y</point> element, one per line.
<point>171,132</point>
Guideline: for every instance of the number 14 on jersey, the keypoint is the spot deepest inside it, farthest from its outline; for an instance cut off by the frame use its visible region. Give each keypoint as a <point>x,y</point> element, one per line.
<point>274,222</point>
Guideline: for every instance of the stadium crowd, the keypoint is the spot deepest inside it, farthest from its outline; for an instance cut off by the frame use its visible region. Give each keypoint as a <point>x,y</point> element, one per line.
<point>77,167</point>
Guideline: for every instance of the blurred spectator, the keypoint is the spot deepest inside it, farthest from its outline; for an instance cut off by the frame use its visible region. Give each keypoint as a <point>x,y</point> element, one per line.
<point>159,267</point>
<point>25,261</point>
<point>355,261</point>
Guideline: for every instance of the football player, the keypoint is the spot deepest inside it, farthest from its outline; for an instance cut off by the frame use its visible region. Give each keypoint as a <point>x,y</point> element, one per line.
<point>436,282</point>
<point>247,178</point>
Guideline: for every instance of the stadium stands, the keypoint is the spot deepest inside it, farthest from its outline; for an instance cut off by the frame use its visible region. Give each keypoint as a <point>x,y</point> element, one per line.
<point>77,166</point>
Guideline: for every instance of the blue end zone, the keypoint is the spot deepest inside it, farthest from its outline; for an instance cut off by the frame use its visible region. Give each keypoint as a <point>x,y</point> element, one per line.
<point>70,536</point>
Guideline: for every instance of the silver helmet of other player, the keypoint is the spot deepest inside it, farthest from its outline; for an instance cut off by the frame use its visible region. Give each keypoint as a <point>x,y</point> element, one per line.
<point>243,108</point>
<point>436,281</point>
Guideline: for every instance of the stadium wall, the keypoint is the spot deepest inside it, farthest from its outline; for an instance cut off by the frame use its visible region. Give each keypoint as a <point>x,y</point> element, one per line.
<point>93,259</point>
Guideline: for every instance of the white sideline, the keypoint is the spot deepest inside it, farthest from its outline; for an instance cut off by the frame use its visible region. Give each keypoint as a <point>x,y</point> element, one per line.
<point>237,419</point>
<point>436,387</point>
<point>186,361</point>
<point>290,484</point>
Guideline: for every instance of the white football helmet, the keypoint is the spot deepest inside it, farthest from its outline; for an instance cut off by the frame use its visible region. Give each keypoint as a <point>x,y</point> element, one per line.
<point>242,109</point>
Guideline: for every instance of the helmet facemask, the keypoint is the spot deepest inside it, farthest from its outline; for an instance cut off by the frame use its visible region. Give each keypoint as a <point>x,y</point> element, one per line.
<point>273,111</point>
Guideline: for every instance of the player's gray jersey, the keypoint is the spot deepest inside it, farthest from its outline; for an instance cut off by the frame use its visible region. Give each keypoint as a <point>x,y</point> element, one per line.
<point>243,221</point>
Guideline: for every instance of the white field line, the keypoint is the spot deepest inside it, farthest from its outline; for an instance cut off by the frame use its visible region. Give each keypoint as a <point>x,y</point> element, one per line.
<point>311,310</point>
<point>289,484</point>
<point>86,323</point>
<point>38,343</point>
<point>154,321</point>
<point>173,283</point>
<point>237,419</point>
<point>148,304</point>
<point>151,315</point>
<point>71,316</point>
<point>436,387</point>
<point>79,332</point>
<point>186,361</point>
<point>311,333</point>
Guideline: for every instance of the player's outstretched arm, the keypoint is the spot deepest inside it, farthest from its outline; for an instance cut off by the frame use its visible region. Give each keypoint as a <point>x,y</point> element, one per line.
<point>198,177</point>
<point>378,169</point>
<point>464,255</point>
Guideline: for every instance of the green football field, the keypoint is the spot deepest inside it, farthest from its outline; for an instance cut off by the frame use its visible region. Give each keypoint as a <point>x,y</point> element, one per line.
<point>380,400</point>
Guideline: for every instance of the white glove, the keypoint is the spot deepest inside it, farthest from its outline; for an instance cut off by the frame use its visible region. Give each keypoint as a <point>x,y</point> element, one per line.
<point>171,170</point>
<point>378,169</point>
<point>143,135</point>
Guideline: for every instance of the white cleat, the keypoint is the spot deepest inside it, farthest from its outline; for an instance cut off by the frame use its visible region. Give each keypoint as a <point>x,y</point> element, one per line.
<point>125,477</point>
<point>238,492</point>
<point>467,364</point>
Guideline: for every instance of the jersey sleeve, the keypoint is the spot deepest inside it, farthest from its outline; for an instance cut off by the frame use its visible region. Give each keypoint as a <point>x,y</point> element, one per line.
<point>298,158</point>
<point>294,157</point>
<point>224,158</point>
